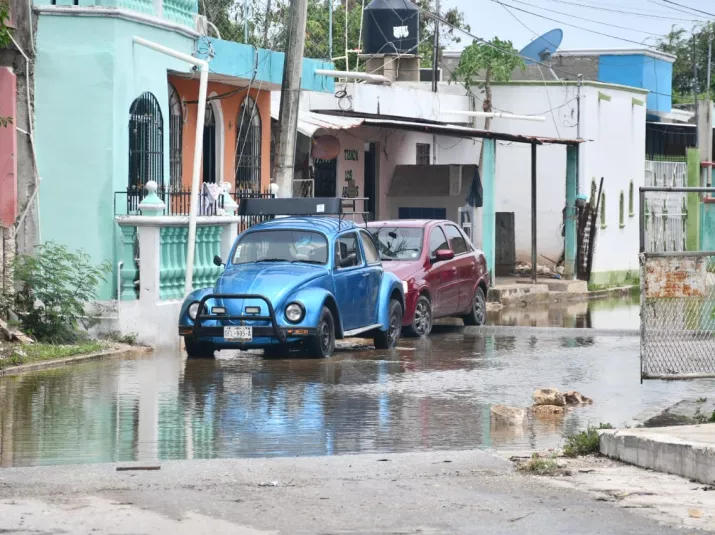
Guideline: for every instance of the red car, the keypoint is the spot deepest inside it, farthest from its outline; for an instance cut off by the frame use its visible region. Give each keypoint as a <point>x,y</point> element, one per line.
<point>442,272</point>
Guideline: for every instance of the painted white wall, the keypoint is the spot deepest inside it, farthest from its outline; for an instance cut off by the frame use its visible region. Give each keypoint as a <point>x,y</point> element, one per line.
<point>617,153</point>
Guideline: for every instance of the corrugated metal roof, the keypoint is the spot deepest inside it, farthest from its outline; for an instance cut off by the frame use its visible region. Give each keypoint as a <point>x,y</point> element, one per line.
<point>309,123</point>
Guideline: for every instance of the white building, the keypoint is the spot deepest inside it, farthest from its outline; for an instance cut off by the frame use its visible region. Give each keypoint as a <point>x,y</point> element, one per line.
<point>378,128</point>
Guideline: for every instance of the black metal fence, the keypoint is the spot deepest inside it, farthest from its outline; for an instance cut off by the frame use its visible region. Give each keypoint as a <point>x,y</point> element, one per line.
<point>177,201</point>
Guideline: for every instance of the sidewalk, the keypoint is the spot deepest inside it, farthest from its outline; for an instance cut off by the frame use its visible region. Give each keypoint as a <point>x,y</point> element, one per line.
<point>687,451</point>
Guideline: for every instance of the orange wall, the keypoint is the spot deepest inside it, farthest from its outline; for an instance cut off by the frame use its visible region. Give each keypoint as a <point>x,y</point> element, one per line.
<point>230,106</point>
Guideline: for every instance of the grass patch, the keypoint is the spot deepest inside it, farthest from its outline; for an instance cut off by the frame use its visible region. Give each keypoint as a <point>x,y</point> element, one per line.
<point>701,418</point>
<point>540,466</point>
<point>12,354</point>
<point>115,336</point>
<point>585,442</point>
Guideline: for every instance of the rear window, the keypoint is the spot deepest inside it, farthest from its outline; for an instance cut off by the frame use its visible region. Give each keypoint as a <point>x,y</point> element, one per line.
<point>398,243</point>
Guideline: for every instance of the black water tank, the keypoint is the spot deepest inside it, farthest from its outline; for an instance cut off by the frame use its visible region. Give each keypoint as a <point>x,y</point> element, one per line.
<point>391,27</point>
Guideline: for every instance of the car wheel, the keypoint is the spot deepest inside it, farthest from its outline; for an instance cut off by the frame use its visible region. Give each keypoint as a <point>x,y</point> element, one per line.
<point>478,313</point>
<point>196,349</point>
<point>388,339</point>
<point>322,344</point>
<point>422,321</point>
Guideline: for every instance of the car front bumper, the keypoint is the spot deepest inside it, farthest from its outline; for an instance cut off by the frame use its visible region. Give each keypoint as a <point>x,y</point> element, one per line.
<point>263,335</point>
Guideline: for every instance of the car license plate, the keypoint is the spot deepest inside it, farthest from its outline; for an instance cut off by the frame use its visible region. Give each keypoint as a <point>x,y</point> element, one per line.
<point>242,334</point>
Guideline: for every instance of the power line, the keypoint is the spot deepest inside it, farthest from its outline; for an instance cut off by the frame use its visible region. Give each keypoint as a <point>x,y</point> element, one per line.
<point>572,25</point>
<point>598,8</point>
<point>589,20</point>
<point>688,7</point>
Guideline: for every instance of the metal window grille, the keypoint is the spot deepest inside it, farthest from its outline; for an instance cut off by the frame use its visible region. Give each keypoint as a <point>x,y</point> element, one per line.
<point>146,142</point>
<point>176,130</point>
<point>248,147</point>
<point>423,153</point>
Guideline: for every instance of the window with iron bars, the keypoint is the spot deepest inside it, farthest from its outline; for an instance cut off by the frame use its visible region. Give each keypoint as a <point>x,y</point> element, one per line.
<point>176,128</point>
<point>423,153</point>
<point>146,142</point>
<point>248,147</point>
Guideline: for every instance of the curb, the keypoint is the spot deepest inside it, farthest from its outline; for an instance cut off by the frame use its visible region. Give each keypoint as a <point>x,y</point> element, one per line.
<point>656,449</point>
<point>119,351</point>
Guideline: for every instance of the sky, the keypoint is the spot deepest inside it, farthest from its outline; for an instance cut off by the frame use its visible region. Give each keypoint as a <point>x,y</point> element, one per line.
<point>490,18</point>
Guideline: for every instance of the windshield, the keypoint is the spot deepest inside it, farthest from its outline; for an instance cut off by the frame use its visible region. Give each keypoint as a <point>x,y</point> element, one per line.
<point>282,246</point>
<point>398,243</point>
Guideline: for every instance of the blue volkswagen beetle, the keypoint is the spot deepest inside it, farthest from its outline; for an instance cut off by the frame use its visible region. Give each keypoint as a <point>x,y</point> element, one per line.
<point>296,282</point>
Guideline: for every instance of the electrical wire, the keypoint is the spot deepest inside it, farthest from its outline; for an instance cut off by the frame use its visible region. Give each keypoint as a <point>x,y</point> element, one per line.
<point>584,18</point>
<point>598,8</point>
<point>687,7</point>
<point>572,25</point>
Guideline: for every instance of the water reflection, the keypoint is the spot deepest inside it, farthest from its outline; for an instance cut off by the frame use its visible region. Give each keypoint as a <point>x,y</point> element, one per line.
<point>431,394</point>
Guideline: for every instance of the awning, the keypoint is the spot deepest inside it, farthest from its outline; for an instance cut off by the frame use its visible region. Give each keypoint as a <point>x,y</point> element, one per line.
<point>309,122</point>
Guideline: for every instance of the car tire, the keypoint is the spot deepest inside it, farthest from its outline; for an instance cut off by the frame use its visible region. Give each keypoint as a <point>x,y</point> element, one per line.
<point>196,349</point>
<point>422,321</point>
<point>322,344</point>
<point>478,313</point>
<point>388,339</point>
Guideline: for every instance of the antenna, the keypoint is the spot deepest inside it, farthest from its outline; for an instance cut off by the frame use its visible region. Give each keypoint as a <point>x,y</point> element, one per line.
<point>542,48</point>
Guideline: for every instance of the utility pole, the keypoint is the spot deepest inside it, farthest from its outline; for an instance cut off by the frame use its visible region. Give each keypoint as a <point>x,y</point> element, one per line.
<point>330,30</point>
<point>695,88</point>
<point>710,58</point>
<point>435,51</point>
<point>245,21</point>
<point>578,106</point>
<point>290,98</point>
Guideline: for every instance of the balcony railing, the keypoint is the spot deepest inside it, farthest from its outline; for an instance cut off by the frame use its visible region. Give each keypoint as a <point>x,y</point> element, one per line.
<point>177,11</point>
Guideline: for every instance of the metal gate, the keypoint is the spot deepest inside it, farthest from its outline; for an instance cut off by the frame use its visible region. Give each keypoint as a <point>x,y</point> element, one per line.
<point>677,301</point>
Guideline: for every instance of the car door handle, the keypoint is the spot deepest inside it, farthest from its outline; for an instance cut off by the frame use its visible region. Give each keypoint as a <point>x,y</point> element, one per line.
<point>365,274</point>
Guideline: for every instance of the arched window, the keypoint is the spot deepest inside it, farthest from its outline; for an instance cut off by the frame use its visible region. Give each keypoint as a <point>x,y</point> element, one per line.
<point>631,200</point>
<point>209,154</point>
<point>146,142</point>
<point>622,210</point>
<point>603,210</point>
<point>248,147</point>
<point>176,128</point>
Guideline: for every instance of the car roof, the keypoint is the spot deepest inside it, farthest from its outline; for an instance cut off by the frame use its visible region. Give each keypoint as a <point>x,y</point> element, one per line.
<point>325,224</point>
<point>412,223</point>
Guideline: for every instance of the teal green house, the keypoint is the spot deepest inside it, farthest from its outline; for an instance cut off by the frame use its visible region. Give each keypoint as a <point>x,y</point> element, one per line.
<point>110,114</point>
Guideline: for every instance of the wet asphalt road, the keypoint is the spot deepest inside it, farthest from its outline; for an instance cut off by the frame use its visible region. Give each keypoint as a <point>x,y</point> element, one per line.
<point>429,394</point>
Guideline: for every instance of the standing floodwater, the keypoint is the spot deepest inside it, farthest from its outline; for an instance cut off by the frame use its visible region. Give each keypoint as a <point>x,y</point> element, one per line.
<point>428,394</point>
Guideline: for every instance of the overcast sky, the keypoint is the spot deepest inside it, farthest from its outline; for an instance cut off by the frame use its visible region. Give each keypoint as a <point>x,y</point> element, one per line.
<point>488,18</point>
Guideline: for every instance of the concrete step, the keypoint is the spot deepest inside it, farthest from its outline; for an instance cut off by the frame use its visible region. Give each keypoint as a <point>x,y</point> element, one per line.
<point>560,285</point>
<point>514,293</point>
<point>687,451</point>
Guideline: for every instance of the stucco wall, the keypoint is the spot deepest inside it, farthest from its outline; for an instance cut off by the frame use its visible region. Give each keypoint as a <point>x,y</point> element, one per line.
<point>228,109</point>
<point>617,128</point>
<point>88,72</point>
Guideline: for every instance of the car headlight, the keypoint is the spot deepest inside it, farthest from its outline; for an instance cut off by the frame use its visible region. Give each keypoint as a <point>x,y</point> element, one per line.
<point>193,310</point>
<point>295,312</point>
<point>404,286</point>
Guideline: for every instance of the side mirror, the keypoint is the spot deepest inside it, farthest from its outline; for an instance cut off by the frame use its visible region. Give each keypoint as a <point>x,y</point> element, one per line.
<point>443,254</point>
<point>218,261</point>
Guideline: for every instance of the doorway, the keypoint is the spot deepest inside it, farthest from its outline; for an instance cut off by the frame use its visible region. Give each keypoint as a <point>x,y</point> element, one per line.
<point>326,172</point>
<point>371,178</point>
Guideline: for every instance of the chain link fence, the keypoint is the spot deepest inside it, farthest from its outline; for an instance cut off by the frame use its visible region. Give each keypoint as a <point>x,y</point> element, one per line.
<point>677,303</point>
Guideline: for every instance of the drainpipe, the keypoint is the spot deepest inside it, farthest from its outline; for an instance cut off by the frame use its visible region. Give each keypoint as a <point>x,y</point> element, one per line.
<point>198,146</point>
<point>377,78</point>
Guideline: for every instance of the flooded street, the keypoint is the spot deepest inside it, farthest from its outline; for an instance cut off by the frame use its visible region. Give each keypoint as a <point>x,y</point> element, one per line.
<point>429,394</point>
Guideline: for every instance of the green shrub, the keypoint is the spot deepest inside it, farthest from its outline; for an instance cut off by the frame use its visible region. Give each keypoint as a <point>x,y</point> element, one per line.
<point>541,466</point>
<point>585,442</point>
<point>56,287</point>
<point>115,336</point>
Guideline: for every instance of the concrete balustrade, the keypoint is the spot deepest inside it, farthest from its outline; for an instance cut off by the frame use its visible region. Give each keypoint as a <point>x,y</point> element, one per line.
<point>151,288</point>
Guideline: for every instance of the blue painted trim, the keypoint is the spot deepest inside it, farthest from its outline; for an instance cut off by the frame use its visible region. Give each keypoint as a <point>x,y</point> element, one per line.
<point>240,61</point>
<point>488,211</point>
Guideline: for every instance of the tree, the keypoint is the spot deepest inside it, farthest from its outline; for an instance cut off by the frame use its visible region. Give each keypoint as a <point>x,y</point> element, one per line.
<point>268,28</point>
<point>496,60</point>
<point>690,49</point>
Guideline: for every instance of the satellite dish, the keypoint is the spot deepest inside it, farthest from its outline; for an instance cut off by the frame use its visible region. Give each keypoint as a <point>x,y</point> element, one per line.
<point>542,48</point>
<point>325,148</point>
